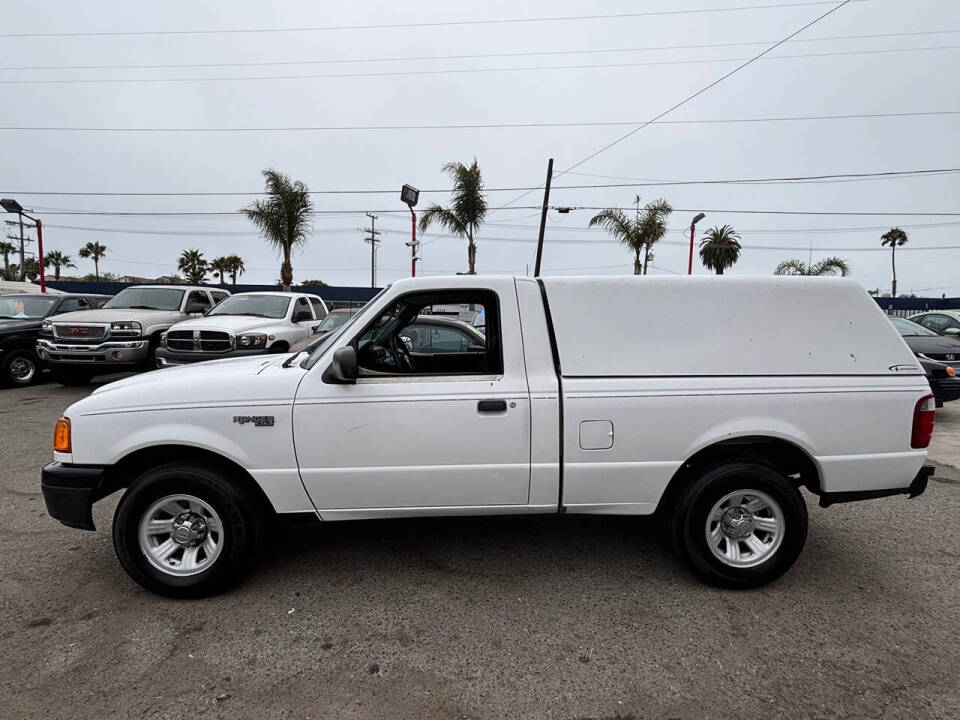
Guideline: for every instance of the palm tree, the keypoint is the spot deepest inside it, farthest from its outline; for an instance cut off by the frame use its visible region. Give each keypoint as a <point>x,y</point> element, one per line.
<point>220,266</point>
<point>647,228</point>
<point>236,267</point>
<point>58,260</point>
<point>827,266</point>
<point>6,248</point>
<point>193,266</point>
<point>720,248</point>
<point>893,237</point>
<point>283,217</point>
<point>94,251</point>
<point>467,211</point>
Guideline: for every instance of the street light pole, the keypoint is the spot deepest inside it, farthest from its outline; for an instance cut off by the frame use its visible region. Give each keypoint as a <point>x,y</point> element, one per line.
<point>696,218</point>
<point>12,206</point>
<point>410,195</point>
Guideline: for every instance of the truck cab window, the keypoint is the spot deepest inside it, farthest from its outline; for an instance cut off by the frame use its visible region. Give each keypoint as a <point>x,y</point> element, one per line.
<point>432,334</point>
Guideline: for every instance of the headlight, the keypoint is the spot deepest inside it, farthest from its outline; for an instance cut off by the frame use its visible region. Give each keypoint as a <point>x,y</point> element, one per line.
<point>125,325</point>
<point>251,340</point>
<point>163,340</point>
<point>46,327</point>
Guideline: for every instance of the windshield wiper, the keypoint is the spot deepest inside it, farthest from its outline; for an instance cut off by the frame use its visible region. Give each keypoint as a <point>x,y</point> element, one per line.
<point>132,307</point>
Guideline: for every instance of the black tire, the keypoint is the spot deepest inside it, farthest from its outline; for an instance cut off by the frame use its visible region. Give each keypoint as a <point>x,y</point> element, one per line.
<point>71,376</point>
<point>20,368</point>
<point>687,524</point>
<point>150,362</point>
<point>239,515</point>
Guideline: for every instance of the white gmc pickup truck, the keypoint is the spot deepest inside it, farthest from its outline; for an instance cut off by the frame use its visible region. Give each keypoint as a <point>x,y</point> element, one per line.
<point>710,401</point>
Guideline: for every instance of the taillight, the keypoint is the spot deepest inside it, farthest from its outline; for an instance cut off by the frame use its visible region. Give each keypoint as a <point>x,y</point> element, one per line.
<point>61,436</point>
<point>923,415</point>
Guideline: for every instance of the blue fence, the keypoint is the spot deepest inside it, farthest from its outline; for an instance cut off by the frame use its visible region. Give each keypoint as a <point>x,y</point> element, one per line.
<point>904,306</point>
<point>332,295</point>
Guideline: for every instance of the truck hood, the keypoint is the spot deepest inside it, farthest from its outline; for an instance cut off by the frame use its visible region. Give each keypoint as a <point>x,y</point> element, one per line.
<point>111,315</point>
<point>232,382</point>
<point>228,323</point>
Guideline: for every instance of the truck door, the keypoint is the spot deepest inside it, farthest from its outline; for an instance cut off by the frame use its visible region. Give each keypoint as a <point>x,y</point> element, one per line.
<point>411,434</point>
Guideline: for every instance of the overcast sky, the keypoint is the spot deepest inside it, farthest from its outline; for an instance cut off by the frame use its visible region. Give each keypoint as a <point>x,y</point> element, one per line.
<point>211,162</point>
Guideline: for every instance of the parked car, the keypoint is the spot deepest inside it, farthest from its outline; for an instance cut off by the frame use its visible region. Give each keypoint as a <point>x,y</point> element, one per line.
<point>561,411</point>
<point>251,323</point>
<point>943,380</point>
<point>333,320</point>
<point>428,335</point>
<point>942,322</point>
<point>124,334</point>
<point>20,319</point>
<point>925,342</point>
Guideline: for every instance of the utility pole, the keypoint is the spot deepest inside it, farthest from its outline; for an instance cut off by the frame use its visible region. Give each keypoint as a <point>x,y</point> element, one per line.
<point>374,239</point>
<point>22,240</point>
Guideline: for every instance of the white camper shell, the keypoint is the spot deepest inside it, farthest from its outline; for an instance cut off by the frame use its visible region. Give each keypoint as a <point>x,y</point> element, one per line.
<point>712,401</point>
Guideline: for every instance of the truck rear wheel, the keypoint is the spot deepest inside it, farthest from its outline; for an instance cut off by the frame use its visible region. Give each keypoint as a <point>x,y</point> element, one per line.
<point>185,531</point>
<point>739,525</point>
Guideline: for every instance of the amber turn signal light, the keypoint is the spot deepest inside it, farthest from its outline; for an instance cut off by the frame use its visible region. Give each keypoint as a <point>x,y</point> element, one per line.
<point>61,436</point>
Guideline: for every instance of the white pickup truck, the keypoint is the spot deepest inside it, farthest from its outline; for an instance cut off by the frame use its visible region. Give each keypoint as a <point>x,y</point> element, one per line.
<point>244,324</point>
<point>710,401</point>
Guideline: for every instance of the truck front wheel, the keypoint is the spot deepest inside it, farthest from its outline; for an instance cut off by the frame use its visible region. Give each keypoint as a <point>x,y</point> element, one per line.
<point>71,376</point>
<point>185,531</point>
<point>739,525</point>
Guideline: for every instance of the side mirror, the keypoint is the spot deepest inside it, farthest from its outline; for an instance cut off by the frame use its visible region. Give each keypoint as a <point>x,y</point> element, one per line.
<point>301,316</point>
<point>952,332</point>
<point>407,341</point>
<point>343,369</point>
<point>194,308</point>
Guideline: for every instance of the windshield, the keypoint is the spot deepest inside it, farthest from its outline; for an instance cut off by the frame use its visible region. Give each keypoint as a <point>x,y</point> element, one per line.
<point>29,307</point>
<point>146,299</point>
<point>908,328</point>
<point>334,320</point>
<point>317,351</point>
<point>267,306</point>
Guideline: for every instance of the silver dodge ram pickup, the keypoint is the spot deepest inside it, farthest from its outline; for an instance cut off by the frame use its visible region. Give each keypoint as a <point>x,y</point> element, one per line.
<point>122,335</point>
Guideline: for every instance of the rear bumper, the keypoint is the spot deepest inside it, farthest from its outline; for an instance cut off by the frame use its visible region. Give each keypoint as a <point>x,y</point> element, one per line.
<point>917,487</point>
<point>171,358</point>
<point>69,492</point>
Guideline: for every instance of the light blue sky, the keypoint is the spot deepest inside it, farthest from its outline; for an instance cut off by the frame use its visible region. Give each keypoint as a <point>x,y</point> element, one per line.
<point>209,162</point>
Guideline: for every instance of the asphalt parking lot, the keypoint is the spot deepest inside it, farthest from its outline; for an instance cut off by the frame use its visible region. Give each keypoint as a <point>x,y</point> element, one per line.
<point>481,618</point>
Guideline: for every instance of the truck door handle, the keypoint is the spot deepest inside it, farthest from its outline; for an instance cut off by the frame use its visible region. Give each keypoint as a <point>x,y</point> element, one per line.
<point>490,406</point>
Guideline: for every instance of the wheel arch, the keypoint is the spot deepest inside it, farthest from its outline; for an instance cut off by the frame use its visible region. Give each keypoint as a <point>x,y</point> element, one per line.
<point>786,455</point>
<point>134,464</point>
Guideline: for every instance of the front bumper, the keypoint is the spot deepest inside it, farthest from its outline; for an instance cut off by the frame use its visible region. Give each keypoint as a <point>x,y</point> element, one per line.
<point>171,358</point>
<point>69,492</point>
<point>945,389</point>
<point>917,487</point>
<point>109,352</point>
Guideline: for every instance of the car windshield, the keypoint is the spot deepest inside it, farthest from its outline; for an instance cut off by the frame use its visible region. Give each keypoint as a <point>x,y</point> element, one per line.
<point>146,299</point>
<point>266,306</point>
<point>333,321</point>
<point>21,307</point>
<point>317,351</point>
<point>908,328</point>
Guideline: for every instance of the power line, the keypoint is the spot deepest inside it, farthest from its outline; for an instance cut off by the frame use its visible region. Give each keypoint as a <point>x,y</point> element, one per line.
<point>460,71</point>
<point>237,213</point>
<point>794,178</point>
<point>391,26</point>
<point>687,99</point>
<point>471,56</point>
<point>481,126</point>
